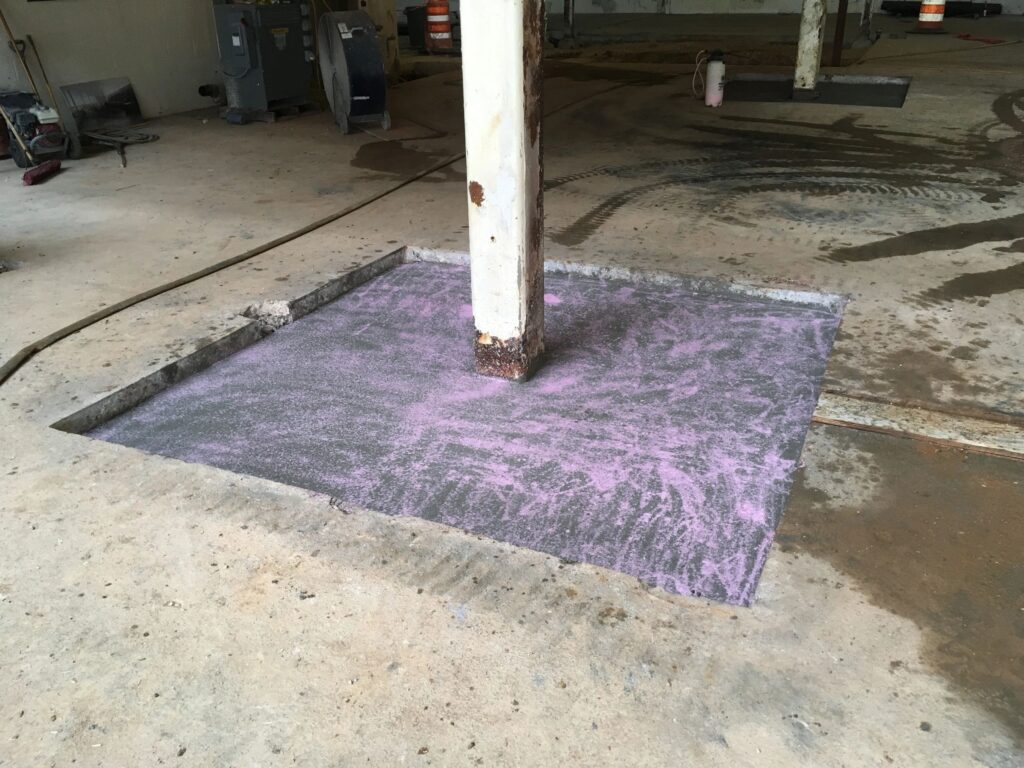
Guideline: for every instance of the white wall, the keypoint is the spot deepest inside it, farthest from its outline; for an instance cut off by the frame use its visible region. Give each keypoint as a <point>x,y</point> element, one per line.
<point>167,48</point>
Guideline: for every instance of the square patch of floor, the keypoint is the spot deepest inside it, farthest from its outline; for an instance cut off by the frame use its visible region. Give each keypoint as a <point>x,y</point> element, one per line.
<point>659,439</point>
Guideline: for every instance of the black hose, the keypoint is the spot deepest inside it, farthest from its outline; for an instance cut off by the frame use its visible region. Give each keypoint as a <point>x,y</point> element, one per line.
<point>23,355</point>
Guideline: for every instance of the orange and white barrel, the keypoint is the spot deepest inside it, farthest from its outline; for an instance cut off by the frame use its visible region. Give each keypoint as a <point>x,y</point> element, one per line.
<point>930,17</point>
<point>439,26</point>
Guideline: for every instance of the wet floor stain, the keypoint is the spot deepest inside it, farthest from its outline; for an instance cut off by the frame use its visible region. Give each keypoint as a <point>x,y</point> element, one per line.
<point>1014,247</point>
<point>395,157</point>
<point>759,155</point>
<point>940,544</point>
<point>949,238</point>
<point>920,375</point>
<point>917,378</point>
<point>976,285</point>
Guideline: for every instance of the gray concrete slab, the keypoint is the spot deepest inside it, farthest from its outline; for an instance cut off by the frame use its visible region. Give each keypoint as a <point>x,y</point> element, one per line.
<point>164,606</point>
<point>272,627</point>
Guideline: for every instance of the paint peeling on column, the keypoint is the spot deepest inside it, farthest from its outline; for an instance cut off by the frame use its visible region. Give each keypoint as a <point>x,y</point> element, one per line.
<point>515,359</point>
<point>476,193</point>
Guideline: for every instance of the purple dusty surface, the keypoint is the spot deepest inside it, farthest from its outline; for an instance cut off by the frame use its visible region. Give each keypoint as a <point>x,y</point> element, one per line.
<point>659,439</point>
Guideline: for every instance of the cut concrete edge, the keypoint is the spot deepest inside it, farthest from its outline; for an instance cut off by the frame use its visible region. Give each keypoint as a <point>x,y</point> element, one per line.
<point>970,433</point>
<point>830,302</point>
<point>438,256</point>
<point>128,397</point>
<point>267,316</point>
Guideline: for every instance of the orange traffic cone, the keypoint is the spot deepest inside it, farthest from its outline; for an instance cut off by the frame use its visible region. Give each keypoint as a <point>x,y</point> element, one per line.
<point>930,17</point>
<point>439,26</point>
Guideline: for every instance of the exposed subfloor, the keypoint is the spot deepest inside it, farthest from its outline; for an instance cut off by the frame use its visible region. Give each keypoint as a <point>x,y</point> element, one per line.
<point>158,612</point>
<point>619,452</point>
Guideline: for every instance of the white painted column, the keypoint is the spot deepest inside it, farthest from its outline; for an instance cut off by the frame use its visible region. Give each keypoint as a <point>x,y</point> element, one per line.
<point>808,52</point>
<point>502,44</point>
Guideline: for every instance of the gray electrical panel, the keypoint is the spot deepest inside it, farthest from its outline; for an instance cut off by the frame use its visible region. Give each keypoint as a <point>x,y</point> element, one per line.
<point>266,55</point>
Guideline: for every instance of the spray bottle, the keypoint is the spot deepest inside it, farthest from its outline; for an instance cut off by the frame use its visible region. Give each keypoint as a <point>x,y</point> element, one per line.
<point>714,91</point>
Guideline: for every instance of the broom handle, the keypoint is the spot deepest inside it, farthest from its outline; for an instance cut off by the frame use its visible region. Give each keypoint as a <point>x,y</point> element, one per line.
<point>18,52</point>
<point>42,71</point>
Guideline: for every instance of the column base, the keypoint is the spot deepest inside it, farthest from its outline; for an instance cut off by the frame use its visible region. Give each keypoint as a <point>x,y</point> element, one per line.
<point>805,94</point>
<point>515,359</point>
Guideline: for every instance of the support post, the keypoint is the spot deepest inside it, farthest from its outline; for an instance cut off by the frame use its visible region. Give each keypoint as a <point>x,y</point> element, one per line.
<point>865,21</point>
<point>569,21</point>
<point>502,45</point>
<point>839,39</point>
<point>808,51</point>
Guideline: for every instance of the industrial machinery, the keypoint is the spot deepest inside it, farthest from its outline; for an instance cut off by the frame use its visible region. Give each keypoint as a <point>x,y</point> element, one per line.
<point>352,67</point>
<point>34,129</point>
<point>266,55</point>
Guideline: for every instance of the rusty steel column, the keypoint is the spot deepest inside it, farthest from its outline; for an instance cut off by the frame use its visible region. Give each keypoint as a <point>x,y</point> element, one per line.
<point>502,46</point>
<point>808,50</point>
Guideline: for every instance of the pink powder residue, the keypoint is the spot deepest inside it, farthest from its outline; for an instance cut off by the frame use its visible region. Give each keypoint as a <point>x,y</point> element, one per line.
<point>658,439</point>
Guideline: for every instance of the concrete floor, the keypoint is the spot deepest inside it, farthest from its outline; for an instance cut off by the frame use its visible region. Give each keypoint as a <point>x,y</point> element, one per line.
<point>155,612</point>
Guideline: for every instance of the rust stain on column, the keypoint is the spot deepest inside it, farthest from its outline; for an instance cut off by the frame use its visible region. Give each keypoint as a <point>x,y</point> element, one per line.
<point>516,359</point>
<point>533,92</point>
<point>476,193</point>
